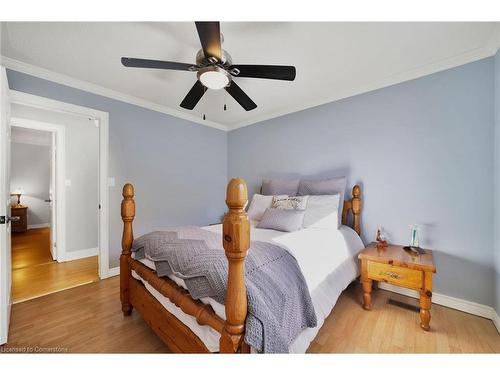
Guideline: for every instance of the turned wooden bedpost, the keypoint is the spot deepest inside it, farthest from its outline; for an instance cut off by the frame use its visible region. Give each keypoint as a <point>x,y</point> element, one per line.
<point>236,241</point>
<point>128,213</point>
<point>356,208</point>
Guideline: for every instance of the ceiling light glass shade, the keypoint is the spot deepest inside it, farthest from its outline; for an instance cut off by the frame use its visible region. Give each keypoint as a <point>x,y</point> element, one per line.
<point>214,79</point>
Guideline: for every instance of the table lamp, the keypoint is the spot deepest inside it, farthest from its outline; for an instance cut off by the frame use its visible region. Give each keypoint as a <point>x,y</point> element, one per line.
<point>18,192</point>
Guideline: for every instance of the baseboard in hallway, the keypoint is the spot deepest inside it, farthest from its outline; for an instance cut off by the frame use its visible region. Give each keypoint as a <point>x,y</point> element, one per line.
<point>38,226</point>
<point>80,254</point>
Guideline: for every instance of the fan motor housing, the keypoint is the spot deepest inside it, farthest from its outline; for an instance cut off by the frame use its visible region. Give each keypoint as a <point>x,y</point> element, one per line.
<point>201,60</point>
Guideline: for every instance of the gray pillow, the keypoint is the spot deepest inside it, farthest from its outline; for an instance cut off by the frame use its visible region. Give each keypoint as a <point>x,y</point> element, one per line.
<point>280,187</point>
<point>282,220</point>
<point>331,186</point>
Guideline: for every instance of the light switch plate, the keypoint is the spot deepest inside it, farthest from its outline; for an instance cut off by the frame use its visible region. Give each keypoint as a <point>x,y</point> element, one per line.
<point>111,181</point>
<point>68,182</point>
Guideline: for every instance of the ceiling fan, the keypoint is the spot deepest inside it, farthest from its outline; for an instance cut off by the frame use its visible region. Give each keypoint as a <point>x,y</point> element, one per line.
<point>215,69</point>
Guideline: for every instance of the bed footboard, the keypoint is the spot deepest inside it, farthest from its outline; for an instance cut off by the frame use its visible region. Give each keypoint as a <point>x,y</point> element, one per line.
<point>236,242</point>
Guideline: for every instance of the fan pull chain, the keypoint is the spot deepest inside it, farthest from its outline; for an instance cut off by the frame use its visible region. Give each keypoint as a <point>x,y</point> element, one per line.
<point>204,91</point>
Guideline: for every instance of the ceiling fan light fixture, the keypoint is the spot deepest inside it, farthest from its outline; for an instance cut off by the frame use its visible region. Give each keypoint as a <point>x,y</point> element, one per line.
<point>214,77</point>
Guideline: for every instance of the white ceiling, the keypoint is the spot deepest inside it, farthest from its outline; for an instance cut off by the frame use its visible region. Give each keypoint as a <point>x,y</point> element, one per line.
<point>333,60</point>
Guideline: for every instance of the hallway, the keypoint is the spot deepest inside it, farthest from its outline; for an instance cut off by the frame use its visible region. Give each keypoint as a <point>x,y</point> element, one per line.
<point>35,274</point>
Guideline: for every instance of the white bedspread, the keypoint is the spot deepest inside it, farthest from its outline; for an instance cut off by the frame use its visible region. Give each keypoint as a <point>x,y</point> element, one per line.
<point>328,262</point>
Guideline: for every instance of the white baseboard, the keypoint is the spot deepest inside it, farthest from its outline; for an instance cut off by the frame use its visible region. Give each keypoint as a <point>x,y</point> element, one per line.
<point>37,226</point>
<point>451,302</point>
<point>79,254</point>
<point>115,271</point>
<point>496,320</point>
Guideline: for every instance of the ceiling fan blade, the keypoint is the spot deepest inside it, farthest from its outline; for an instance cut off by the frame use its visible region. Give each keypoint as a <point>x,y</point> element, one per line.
<point>282,72</point>
<point>239,95</point>
<point>209,33</point>
<point>156,64</point>
<point>193,96</point>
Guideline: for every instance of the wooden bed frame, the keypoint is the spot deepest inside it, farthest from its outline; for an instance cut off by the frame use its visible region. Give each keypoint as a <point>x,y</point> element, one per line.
<point>236,241</point>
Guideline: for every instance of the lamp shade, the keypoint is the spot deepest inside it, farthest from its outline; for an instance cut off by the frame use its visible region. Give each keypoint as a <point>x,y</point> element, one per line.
<point>18,191</point>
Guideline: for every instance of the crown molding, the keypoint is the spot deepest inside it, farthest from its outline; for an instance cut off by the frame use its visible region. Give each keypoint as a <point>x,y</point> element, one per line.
<point>487,50</point>
<point>493,43</point>
<point>65,80</point>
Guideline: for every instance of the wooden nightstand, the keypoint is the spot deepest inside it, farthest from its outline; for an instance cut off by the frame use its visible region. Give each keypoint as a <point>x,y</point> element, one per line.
<point>20,225</point>
<point>395,266</point>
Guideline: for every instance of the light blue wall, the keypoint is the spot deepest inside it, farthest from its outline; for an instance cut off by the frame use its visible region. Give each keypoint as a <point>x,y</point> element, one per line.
<point>179,168</point>
<point>422,151</point>
<point>497,180</point>
<point>30,170</point>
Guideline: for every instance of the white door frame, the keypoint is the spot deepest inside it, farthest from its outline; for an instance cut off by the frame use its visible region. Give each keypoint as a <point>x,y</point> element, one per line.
<point>40,102</point>
<point>60,172</point>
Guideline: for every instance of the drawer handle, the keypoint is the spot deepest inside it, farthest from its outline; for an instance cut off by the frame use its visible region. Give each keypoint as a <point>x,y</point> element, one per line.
<point>392,275</point>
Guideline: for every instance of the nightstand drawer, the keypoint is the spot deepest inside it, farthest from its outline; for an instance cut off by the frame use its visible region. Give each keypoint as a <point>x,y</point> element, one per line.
<point>20,225</point>
<point>401,276</point>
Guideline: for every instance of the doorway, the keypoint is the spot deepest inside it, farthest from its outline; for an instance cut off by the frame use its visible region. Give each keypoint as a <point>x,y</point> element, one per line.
<point>55,110</point>
<point>51,164</point>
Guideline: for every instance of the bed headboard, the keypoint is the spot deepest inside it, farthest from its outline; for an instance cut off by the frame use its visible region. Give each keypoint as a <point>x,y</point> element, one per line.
<point>353,206</point>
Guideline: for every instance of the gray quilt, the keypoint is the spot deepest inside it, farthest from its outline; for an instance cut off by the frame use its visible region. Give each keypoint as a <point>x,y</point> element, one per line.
<point>279,304</point>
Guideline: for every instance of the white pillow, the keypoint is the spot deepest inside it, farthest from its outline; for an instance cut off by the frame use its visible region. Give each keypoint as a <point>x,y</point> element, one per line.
<point>322,211</point>
<point>259,205</point>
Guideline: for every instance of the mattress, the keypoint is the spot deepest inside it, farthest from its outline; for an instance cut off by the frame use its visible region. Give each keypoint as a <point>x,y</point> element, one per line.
<point>327,259</point>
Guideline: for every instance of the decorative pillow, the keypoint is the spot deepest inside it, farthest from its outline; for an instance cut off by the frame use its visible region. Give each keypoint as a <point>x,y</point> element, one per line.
<point>282,220</point>
<point>280,187</point>
<point>259,204</point>
<point>322,212</point>
<point>290,203</point>
<point>326,187</point>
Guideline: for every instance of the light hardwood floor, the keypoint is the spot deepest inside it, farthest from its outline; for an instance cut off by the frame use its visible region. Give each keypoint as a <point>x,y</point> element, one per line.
<point>31,248</point>
<point>89,319</point>
<point>35,274</point>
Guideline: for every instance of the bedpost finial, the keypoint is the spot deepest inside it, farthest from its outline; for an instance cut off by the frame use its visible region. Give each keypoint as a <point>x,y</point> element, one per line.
<point>127,213</point>
<point>237,194</point>
<point>236,242</point>
<point>128,190</point>
<point>128,204</point>
<point>356,191</point>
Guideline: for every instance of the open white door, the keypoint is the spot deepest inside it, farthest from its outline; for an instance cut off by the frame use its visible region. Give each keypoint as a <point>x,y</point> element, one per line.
<point>5,256</point>
<point>52,198</point>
